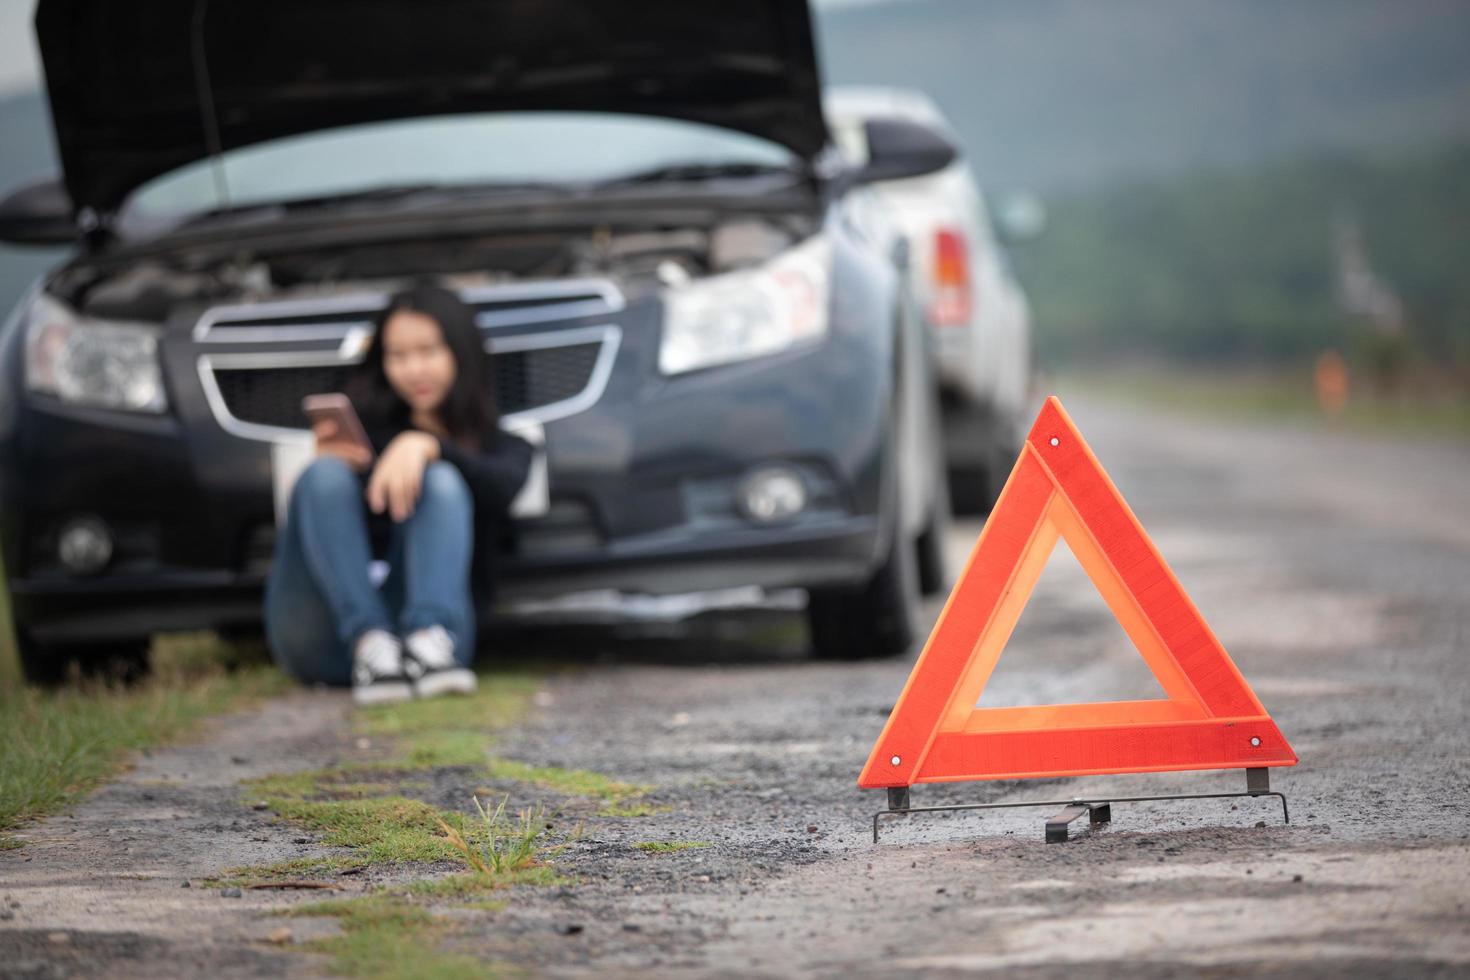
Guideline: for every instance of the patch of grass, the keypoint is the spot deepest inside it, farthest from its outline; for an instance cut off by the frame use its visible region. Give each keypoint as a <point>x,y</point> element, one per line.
<point>339,782</point>
<point>56,745</point>
<point>575,782</point>
<point>668,846</point>
<point>11,843</point>
<point>502,699</point>
<point>468,884</point>
<point>304,867</point>
<point>385,936</point>
<point>381,830</point>
<point>633,808</point>
<point>431,750</point>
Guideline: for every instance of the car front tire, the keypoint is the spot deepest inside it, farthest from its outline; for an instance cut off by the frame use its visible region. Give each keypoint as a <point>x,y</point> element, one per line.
<point>878,619</point>
<point>49,664</point>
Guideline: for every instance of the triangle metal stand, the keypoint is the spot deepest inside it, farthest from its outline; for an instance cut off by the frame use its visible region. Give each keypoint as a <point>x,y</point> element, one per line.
<point>1098,812</point>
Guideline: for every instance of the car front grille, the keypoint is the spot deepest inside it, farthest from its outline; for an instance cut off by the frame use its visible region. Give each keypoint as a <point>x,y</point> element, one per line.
<point>522,380</point>
<point>257,362</point>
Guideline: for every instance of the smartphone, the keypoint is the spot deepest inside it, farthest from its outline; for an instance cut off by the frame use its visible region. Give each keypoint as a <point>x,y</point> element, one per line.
<point>337,408</point>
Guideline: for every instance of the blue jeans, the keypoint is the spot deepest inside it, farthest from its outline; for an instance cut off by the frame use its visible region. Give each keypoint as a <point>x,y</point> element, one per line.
<point>319,598</point>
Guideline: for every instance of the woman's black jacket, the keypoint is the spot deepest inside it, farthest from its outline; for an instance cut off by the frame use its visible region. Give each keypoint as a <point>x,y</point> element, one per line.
<point>495,474</point>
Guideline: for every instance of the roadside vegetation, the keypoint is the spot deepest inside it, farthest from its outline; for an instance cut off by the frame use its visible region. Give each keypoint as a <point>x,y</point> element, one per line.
<point>1243,266</point>
<point>387,935</point>
<point>369,814</point>
<point>1274,395</point>
<point>669,846</point>
<point>57,745</point>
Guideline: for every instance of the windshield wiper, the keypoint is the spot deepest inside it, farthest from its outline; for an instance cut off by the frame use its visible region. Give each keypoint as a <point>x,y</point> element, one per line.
<point>698,171</point>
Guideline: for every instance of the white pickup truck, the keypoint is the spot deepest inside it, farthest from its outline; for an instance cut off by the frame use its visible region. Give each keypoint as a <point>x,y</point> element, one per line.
<point>978,316</point>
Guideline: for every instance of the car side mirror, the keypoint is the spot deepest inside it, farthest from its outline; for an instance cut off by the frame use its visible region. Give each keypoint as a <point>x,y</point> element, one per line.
<point>37,214</point>
<point>899,148</point>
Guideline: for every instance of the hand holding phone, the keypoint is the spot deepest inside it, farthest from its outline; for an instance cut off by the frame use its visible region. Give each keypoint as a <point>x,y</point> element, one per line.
<point>338,430</point>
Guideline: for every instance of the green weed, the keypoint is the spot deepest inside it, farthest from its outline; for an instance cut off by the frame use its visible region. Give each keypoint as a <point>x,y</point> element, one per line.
<point>669,846</point>
<point>386,936</point>
<point>575,782</point>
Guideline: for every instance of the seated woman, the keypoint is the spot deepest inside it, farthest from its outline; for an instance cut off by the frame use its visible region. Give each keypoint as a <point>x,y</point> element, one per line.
<point>435,499</point>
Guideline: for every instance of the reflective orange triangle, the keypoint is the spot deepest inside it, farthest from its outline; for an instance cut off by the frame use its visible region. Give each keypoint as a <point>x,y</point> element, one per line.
<point>1210,719</point>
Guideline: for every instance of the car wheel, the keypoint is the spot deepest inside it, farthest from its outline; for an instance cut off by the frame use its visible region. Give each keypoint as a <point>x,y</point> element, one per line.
<point>878,619</point>
<point>124,661</point>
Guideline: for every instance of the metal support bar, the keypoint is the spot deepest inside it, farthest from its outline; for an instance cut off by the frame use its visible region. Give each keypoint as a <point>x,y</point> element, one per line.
<point>898,797</point>
<point>1100,810</point>
<point>1258,780</point>
<point>1056,827</point>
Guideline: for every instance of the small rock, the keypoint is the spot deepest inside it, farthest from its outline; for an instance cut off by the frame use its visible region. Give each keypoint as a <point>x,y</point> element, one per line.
<point>364,743</point>
<point>939,891</point>
<point>702,878</point>
<point>632,927</point>
<point>7,914</point>
<point>280,936</point>
<point>1296,877</point>
<point>239,760</point>
<point>543,699</point>
<point>58,937</point>
<point>186,883</point>
<point>260,805</point>
<point>570,928</point>
<point>811,828</point>
<point>1260,823</point>
<point>231,893</point>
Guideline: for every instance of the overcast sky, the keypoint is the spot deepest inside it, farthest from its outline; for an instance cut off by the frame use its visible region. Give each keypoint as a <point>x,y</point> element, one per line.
<point>19,65</point>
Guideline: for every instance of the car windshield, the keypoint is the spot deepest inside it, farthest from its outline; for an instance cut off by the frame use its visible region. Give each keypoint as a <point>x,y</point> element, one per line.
<point>479,150</point>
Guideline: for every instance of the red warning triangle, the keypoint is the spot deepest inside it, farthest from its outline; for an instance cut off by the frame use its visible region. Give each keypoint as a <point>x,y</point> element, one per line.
<point>1210,718</point>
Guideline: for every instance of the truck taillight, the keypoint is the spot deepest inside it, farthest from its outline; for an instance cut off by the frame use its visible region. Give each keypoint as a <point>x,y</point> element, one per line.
<point>951,301</point>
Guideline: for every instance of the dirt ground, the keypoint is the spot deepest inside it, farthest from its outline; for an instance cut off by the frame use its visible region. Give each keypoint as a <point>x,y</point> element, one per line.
<point>1335,568</point>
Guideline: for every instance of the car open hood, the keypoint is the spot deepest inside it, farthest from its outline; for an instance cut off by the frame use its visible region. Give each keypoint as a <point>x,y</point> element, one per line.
<point>124,78</point>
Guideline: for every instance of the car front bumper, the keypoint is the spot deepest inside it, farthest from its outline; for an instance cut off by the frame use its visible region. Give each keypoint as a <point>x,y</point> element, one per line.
<point>642,485</point>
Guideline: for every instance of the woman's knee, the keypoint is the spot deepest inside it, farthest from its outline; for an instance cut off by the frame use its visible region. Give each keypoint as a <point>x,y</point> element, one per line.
<point>443,484</point>
<point>328,477</point>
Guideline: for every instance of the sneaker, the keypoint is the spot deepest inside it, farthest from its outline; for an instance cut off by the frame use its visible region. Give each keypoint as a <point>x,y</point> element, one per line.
<point>377,669</point>
<point>428,659</point>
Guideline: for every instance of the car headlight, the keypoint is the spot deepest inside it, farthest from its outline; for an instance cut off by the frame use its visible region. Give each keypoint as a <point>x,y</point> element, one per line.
<point>92,362</point>
<point>740,315</point>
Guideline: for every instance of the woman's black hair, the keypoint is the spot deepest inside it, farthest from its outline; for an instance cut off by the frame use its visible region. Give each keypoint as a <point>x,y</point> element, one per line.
<point>468,411</point>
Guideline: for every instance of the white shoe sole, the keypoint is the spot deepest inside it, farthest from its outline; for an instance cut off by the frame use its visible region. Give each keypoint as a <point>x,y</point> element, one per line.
<point>458,680</point>
<point>383,692</point>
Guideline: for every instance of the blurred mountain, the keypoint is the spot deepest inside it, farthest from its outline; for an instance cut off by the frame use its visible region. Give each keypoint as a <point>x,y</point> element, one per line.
<point>1070,94</point>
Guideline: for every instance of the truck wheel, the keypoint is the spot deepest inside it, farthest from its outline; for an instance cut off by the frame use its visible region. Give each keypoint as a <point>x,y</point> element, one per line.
<point>49,664</point>
<point>879,619</point>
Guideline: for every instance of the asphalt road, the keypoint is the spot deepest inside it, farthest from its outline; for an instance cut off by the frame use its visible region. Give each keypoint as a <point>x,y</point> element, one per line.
<point>1334,568</point>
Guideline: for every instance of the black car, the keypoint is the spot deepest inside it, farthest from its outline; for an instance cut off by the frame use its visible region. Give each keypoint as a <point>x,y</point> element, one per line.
<point>688,295</point>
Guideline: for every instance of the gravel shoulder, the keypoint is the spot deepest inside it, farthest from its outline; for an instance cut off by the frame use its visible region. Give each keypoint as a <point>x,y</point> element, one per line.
<point>1335,569</point>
